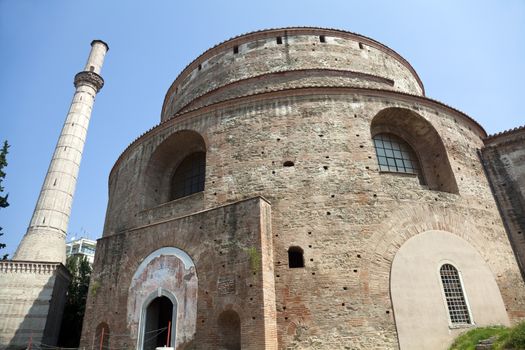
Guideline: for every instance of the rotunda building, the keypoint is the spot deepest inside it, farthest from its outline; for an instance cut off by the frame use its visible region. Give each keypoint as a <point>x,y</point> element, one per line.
<point>301,192</point>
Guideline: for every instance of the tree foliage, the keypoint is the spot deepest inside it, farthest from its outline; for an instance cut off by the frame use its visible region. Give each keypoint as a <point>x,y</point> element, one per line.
<point>3,198</point>
<point>71,329</point>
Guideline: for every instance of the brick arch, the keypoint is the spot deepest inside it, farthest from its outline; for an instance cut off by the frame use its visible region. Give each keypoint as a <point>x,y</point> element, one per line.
<point>163,162</point>
<point>406,223</point>
<point>424,139</point>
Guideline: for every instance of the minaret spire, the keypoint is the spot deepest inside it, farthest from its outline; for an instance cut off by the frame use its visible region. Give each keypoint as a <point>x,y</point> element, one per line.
<point>45,239</point>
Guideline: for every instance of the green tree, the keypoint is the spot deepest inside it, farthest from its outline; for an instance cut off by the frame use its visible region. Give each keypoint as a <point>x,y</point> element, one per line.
<point>71,329</point>
<point>3,198</point>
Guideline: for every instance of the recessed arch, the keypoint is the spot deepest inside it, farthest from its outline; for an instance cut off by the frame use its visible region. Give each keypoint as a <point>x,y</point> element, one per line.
<point>426,142</point>
<point>166,272</point>
<point>102,335</point>
<point>164,162</point>
<point>417,290</point>
<point>229,329</point>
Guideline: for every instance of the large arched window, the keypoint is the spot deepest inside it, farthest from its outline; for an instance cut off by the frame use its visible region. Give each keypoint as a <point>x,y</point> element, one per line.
<point>453,290</point>
<point>406,142</point>
<point>395,154</point>
<point>189,176</point>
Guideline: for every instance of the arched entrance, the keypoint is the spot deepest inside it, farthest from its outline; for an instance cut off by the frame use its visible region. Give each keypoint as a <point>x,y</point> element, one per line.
<point>158,327</point>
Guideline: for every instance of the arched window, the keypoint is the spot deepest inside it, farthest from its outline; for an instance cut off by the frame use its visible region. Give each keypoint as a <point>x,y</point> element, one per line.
<point>456,303</point>
<point>295,257</point>
<point>189,176</point>
<point>229,330</point>
<point>396,155</point>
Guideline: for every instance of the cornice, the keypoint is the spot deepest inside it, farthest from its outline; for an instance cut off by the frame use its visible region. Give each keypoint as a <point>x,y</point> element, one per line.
<point>91,78</point>
<point>301,91</point>
<point>272,32</point>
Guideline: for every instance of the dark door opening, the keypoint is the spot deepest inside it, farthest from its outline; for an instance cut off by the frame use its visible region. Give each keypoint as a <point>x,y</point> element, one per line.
<point>159,315</point>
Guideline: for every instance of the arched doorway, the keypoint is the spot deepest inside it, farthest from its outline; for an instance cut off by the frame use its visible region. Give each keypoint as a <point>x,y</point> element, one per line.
<point>229,330</point>
<point>158,323</point>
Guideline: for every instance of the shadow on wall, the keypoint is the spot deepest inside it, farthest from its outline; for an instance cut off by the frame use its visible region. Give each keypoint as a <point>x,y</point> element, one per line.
<point>35,295</point>
<point>181,149</point>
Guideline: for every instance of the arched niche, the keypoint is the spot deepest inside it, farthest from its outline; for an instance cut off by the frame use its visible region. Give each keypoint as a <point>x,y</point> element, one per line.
<point>102,336</point>
<point>419,302</point>
<point>163,164</point>
<point>424,140</point>
<point>166,272</point>
<point>229,328</point>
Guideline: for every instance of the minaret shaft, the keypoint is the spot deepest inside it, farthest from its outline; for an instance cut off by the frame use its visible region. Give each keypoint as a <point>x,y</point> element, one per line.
<point>45,237</point>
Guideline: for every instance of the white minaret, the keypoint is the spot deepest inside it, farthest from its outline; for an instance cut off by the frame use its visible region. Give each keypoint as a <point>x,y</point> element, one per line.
<point>45,239</point>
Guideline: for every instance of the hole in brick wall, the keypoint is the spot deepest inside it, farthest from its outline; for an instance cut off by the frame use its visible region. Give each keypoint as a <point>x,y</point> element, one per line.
<point>286,318</point>
<point>361,146</point>
<point>278,263</point>
<point>284,307</point>
<point>321,135</point>
<point>519,232</point>
<point>295,257</point>
<point>313,273</point>
<point>288,163</point>
<point>361,46</point>
<point>262,152</point>
<point>369,157</point>
<point>357,135</point>
<point>322,38</point>
<point>333,196</point>
<point>345,288</point>
<point>55,182</point>
<point>200,66</point>
<point>311,259</point>
<point>355,115</point>
<point>278,139</point>
<point>325,167</point>
<point>276,235</point>
<point>367,167</point>
<point>273,171</point>
<point>223,265</point>
<point>387,311</point>
<point>91,68</point>
<point>236,49</point>
<point>279,40</point>
<point>327,157</point>
<point>342,304</point>
<point>251,285</point>
<point>375,195</point>
<point>309,246</point>
<point>277,275</point>
<point>359,255</point>
<point>355,270</point>
<point>251,299</point>
<point>214,193</point>
<point>253,318</point>
<point>202,321</point>
<point>328,213</point>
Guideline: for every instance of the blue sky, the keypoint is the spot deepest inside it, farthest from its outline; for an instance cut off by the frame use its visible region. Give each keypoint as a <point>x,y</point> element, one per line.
<point>469,54</point>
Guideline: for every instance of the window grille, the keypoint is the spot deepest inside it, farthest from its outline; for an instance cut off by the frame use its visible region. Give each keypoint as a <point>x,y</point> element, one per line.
<point>456,303</point>
<point>189,176</point>
<point>394,154</point>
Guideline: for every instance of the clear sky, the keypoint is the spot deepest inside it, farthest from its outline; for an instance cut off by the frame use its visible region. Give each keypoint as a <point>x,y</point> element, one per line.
<point>469,54</point>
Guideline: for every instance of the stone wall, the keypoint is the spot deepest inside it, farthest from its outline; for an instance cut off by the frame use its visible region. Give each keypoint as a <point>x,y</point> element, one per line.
<point>32,299</point>
<point>504,160</point>
<point>308,150</point>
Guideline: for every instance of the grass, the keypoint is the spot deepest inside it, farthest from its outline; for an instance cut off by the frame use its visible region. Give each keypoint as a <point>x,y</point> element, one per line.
<point>506,338</point>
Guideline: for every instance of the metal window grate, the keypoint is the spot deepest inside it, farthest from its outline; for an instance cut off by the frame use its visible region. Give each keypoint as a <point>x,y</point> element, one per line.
<point>456,304</point>
<point>394,154</point>
<point>189,176</point>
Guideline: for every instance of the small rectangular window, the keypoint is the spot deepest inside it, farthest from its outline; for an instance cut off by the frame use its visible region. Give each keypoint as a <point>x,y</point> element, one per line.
<point>279,40</point>
<point>361,46</point>
<point>322,38</point>
<point>236,49</point>
<point>200,66</point>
